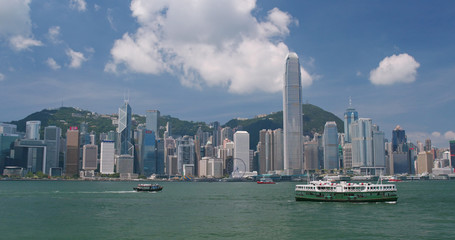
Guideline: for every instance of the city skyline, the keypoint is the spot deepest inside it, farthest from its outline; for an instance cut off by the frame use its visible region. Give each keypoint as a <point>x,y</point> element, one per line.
<point>84,59</point>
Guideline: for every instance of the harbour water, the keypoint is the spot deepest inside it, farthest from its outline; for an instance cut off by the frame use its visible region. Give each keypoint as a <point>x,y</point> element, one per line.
<point>219,210</point>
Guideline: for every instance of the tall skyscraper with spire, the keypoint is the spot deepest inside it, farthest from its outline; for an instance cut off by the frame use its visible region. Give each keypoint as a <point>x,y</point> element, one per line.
<point>292,116</point>
<point>124,145</point>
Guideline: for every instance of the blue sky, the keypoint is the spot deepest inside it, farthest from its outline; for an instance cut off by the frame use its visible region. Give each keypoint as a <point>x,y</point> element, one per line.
<point>218,60</point>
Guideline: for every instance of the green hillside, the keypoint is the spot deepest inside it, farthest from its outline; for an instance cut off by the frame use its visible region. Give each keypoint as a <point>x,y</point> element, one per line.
<point>313,122</point>
<point>66,117</point>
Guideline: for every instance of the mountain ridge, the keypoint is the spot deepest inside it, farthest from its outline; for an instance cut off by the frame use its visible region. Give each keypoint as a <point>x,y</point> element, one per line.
<point>314,119</point>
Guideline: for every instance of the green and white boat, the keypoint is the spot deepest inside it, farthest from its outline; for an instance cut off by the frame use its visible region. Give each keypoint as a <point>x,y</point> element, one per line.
<point>326,191</point>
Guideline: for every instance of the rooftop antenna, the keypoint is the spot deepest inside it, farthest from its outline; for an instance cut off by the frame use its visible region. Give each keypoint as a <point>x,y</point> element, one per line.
<point>350,101</point>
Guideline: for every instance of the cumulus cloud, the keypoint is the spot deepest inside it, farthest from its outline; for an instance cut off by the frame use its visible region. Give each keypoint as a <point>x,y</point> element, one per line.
<point>16,26</point>
<point>438,139</point>
<point>76,58</point>
<point>436,134</point>
<point>449,135</point>
<point>21,43</point>
<point>54,33</point>
<point>395,69</point>
<point>52,64</point>
<point>79,5</point>
<point>2,77</point>
<point>207,43</point>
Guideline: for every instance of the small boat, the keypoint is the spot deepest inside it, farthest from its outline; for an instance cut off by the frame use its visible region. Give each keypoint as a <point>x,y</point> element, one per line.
<point>394,179</point>
<point>324,191</point>
<point>148,187</point>
<point>265,181</point>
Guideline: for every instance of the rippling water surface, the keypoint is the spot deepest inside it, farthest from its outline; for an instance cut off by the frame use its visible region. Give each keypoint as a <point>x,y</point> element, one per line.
<point>221,210</point>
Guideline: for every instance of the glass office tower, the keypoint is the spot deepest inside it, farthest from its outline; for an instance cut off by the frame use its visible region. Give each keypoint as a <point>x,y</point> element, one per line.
<point>292,117</point>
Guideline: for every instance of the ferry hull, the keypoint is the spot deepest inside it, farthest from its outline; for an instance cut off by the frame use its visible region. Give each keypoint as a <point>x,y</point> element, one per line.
<point>346,197</point>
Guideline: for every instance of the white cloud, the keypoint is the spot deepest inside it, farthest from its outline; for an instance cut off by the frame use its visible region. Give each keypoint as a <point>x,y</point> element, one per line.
<point>54,33</point>
<point>77,58</point>
<point>2,77</point>
<point>80,5</point>
<point>110,19</point>
<point>97,7</point>
<point>436,134</point>
<point>16,26</point>
<point>449,135</point>
<point>212,43</point>
<point>52,64</point>
<point>395,69</point>
<point>21,43</point>
<point>438,139</point>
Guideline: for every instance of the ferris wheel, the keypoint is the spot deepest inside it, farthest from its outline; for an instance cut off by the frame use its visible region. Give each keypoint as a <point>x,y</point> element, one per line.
<point>239,168</point>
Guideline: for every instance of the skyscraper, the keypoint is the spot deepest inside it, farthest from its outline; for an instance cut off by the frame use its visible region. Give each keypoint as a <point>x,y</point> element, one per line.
<point>124,130</point>
<point>398,139</point>
<point>72,151</point>
<point>362,143</point>
<point>330,141</point>
<point>350,116</point>
<point>278,149</point>
<point>152,118</point>
<point>292,116</point>
<point>52,136</point>
<point>216,134</point>
<point>149,152</point>
<point>107,157</point>
<point>185,152</point>
<point>32,130</point>
<point>378,147</point>
<point>89,157</point>
<point>241,151</point>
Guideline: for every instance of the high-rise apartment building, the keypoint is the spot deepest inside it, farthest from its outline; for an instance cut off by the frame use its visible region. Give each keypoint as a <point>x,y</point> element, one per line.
<point>72,152</point>
<point>241,151</point>
<point>152,118</point>
<point>292,117</point>
<point>32,130</point>
<point>124,145</point>
<point>330,143</point>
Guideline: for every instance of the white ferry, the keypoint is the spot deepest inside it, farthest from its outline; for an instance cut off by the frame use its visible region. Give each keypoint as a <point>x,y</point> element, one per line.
<point>325,191</point>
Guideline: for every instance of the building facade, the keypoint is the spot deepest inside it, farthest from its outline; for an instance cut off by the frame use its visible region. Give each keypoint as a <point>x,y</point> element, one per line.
<point>72,152</point>
<point>241,151</point>
<point>292,117</point>
<point>124,145</point>
<point>152,118</point>
<point>330,142</point>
